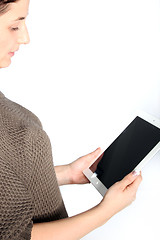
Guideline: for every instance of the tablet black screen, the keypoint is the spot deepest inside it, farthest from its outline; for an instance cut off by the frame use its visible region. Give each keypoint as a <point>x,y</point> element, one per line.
<point>127,151</point>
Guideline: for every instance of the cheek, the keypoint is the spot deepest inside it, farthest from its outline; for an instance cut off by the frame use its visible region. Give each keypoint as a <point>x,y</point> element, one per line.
<point>4,56</point>
<point>6,45</point>
<point>7,41</point>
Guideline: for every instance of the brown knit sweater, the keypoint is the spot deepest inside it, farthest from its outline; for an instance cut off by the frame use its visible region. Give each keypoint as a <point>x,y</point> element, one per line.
<point>29,192</point>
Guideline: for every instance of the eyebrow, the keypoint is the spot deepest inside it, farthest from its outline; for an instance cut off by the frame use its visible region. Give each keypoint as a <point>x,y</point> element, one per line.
<point>20,18</point>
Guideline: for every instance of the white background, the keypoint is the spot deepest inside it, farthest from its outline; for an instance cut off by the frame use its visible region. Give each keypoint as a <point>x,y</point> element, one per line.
<point>88,66</point>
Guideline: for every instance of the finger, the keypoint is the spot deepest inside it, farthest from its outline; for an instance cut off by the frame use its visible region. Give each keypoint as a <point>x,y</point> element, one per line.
<point>129,179</point>
<point>137,182</point>
<point>93,155</point>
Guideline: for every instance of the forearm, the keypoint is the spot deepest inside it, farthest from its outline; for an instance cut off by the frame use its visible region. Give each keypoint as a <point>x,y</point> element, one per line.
<point>119,196</point>
<point>63,174</point>
<point>72,228</point>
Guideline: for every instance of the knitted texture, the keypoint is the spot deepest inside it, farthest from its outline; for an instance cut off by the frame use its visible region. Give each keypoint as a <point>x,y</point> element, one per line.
<point>29,191</point>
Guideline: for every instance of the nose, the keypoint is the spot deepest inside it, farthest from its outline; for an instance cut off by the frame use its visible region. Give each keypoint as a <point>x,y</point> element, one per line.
<point>23,37</point>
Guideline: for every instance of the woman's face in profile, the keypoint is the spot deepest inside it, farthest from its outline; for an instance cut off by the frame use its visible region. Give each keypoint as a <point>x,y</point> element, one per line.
<point>13,31</point>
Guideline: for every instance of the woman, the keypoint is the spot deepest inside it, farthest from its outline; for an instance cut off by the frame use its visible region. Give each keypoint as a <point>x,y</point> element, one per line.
<point>30,200</point>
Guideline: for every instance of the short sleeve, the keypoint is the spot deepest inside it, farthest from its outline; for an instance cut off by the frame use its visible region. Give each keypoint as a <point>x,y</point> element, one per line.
<point>16,209</point>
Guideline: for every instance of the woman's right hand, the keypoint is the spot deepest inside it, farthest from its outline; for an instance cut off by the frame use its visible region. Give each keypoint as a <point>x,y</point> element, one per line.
<point>121,194</point>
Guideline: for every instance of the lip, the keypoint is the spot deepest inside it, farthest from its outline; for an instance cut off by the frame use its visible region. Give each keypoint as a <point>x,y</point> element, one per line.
<point>11,54</point>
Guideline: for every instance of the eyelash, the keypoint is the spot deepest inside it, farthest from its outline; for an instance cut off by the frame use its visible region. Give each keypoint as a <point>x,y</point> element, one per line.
<point>15,29</point>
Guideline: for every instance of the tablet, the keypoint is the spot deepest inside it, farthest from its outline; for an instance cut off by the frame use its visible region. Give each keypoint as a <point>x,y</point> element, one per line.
<point>131,150</point>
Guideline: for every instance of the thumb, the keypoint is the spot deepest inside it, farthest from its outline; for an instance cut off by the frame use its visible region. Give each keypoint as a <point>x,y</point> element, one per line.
<point>93,155</point>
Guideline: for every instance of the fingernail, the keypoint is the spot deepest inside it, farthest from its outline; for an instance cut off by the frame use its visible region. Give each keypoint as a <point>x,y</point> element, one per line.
<point>135,173</point>
<point>97,149</point>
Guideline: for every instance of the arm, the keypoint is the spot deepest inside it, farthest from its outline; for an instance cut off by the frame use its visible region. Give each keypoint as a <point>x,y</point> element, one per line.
<point>63,174</point>
<point>72,228</point>
<point>118,197</point>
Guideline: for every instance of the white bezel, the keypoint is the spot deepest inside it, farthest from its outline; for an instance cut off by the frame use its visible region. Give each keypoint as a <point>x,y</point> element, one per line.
<point>92,176</point>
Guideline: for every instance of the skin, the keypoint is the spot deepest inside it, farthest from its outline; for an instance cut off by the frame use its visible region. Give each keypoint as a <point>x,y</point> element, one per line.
<point>13,33</point>
<point>119,196</point>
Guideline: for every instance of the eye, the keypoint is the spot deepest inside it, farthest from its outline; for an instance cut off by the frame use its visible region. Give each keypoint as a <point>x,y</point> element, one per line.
<point>15,29</point>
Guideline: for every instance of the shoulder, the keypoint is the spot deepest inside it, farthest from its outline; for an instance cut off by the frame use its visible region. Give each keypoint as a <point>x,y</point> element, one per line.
<point>23,141</point>
<point>18,113</point>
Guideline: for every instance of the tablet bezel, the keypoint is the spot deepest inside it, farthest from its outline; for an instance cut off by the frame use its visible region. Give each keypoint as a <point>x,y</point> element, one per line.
<point>92,177</point>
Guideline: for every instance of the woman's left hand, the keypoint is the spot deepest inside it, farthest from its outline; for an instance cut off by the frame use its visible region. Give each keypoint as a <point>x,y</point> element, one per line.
<point>73,173</point>
<point>76,168</point>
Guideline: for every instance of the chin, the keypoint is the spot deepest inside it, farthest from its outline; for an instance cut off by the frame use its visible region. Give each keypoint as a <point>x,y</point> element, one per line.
<point>5,64</point>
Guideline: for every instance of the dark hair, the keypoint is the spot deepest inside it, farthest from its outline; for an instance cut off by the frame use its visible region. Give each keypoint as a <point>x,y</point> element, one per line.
<point>4,5</point>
